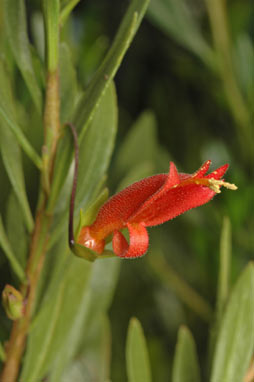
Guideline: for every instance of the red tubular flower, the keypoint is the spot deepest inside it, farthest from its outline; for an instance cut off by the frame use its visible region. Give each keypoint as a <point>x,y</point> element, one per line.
<point>149,202</point>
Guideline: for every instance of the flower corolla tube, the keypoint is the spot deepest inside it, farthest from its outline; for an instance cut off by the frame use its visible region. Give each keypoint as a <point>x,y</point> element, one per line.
<point>150,202</point>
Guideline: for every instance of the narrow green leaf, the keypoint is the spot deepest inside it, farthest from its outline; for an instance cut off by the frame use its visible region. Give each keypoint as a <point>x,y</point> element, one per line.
<point>12,160</point>
<point>223,287</point>
<point>97,87</point>
<point>16,230</point>
<point>244,63</point>
<point>97,146</point>
<point>93,361</point>
<point>110,65</point>
<point>235,343</point>
<point>84,291</point>
<point>137,360</point>
<point>224,270</point>
<point>4,243</point>
<point>10,150</point>
<point>13,164</point>
<point>16,26</point>
<point>54,320</point>
<point>68,83</point>
<point>84,330</point>
<point>51,11</point>
<point>185,365</point>
<point>37,32</point>
<point>21,139</point>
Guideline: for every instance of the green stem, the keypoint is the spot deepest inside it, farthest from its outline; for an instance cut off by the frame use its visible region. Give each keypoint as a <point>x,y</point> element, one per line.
<point>39,242</point>
<point>185,292</point>
<point>51,9</point>
<point>17,341</point>
<point>52,128</point>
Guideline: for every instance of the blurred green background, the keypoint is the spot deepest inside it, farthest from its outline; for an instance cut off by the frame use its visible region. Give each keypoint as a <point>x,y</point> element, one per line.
<point>185,93</point>
<point>172,74</point>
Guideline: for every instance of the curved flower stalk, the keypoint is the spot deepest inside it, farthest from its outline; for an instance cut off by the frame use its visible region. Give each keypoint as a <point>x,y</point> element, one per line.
<point>149,202</point>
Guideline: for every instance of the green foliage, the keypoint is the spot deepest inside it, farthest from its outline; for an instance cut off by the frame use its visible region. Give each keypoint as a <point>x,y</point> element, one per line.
<point>179,20</point>
<point>94,361</point>
<point>137,361</point>
<point>185,367</point>
<point>4,243</point>
<point>236,336</point>
<point>89,101</point>
<point>11,154</point>
<point>189,92</point>
<point>16,29</point>
<point>95,153</point>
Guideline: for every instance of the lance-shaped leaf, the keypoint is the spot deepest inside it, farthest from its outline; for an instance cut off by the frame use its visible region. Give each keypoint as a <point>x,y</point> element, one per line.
<point>10,150</point>
<point>4,243</point>
<point>235,343</point>
<point>137,360</point>
<point>16,26</point>
<point>185,366</point>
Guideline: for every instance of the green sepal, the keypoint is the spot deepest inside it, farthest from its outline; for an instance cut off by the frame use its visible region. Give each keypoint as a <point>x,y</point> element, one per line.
<point>83,252</point>
<point>87,254</point>
<point>2,353</point>
<point>13,302</point>
<point>87,219</point>
<point>89,216</point>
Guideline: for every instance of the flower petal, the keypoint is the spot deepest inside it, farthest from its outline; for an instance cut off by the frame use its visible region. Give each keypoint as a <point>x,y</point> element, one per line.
<point>173,177</point>
<point>139,242</point>
<point>119,243</point>
<point>218,174</point>
<point>115,213</point>
<point>202,170</point>
<point>168,203</point>
<point>172,181</point>
<point>172,203</point>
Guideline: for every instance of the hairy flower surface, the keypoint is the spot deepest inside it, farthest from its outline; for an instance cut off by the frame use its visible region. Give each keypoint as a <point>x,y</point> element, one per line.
<point>149,202</point>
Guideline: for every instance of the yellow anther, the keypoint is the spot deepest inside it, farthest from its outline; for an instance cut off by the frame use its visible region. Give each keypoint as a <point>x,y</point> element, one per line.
<point>215,185</point>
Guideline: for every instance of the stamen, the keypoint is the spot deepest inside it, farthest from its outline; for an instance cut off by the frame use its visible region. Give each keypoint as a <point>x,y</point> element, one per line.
<point>215,184</point>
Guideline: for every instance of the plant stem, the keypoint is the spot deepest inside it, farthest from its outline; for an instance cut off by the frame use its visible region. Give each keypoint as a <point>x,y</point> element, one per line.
<point>52,127</point>
<point>16,345</point>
